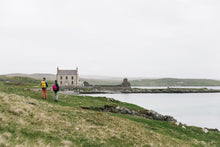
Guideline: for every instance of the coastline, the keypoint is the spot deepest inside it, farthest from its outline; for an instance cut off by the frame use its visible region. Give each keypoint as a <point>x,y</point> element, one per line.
<point>138,90</point>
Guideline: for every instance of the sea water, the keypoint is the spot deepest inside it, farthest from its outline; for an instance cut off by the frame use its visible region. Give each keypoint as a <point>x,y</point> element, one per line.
<point>193,109</point>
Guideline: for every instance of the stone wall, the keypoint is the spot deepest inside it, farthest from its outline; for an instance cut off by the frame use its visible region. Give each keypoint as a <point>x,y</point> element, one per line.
<point>124,86</point>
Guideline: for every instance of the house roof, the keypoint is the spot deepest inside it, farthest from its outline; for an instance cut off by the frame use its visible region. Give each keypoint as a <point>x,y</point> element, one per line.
<point>67,72</point>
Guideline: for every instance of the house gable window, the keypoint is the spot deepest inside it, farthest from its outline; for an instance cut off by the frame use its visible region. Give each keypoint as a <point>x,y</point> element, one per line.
<point>61,77</point>
<point>66,77</point>
<point>72,77</point>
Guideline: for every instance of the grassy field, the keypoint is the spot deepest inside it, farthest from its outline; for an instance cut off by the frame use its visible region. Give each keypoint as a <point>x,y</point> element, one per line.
<point>47,123</point>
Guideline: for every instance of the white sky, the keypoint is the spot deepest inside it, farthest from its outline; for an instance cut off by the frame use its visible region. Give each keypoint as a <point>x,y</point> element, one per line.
<point>132,38</point>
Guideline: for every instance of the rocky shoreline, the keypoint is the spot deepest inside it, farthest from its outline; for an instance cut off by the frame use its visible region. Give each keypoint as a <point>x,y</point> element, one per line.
<point>167,90</point>
<point>77,91</point>
<point>143,113</point>
<point>148,114</point>
<point>173,90</point>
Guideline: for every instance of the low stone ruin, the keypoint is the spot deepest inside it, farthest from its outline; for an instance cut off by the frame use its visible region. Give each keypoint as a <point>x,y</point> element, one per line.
<point>123,86</point>
<point>143,113</point>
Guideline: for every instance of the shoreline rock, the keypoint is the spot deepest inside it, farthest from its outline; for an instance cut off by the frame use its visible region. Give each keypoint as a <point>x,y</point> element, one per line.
<point>168,90</point>
<point>134,90</point>
<point>150,114</point>
<point>172,90</point>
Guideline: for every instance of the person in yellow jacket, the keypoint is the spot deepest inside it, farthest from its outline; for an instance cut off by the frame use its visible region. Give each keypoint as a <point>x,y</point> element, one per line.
<point>44,85</point>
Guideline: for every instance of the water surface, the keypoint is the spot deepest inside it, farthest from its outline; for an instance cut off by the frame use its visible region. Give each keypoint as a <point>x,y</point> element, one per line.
<point>197,109</point>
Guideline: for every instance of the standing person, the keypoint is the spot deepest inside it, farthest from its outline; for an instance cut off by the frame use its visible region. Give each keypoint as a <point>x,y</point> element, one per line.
<point>44,85</point>
<point>55,89</point>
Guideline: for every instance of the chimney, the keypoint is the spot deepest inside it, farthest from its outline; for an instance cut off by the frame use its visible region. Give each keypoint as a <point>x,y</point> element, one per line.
<point>57,69</point>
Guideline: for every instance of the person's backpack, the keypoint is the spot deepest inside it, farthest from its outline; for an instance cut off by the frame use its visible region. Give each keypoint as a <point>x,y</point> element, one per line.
<point>54,87</point>
<point>43,84</point>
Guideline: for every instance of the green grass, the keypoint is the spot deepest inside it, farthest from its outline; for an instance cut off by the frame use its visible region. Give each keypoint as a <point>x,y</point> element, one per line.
<point>172,130</point>
<point>67,100</point>
<point>66,124</point>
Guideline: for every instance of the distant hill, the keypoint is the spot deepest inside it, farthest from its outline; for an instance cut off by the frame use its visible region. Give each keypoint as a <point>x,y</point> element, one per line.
<point>105,80</point>
<point>34,76</point>
<point>175,82</point>
<point>96,80</point>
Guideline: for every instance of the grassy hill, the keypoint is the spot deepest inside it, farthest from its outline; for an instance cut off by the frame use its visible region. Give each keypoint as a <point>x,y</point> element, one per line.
<point>27,120</point>
<point>158,82</point>
<point>95,80</point>
<point>34,76</point>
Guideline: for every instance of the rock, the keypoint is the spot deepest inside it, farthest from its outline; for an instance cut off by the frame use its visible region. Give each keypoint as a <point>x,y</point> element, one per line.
<point>32,103</point>
<point>143,111</point>
<point>111,99</point>
<point>155,115</point>
<point>118,108</point>
<point>150,114</point>
<point>134,113</point>
<point>205,130</point>
<point>150,117</point>
<point>85,107</point>
<point>109,107</point>
<point>125,111</point>
<point>169,118</point>
<point>128,111</point>
<point>177,123</point>
<point>158,116</point>
<point>215,130</point>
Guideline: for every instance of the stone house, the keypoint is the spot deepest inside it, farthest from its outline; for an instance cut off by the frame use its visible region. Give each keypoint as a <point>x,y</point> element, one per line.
<point>67,78</point>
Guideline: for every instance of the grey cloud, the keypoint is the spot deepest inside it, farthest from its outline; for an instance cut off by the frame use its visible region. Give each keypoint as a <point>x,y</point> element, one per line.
<point>173,38</point>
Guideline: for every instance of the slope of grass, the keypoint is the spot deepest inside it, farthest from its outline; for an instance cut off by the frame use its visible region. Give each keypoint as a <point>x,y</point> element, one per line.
<point>65,124</point>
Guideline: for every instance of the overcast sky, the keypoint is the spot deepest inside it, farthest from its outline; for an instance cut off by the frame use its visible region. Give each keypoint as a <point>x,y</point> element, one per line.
<point>122,38</point>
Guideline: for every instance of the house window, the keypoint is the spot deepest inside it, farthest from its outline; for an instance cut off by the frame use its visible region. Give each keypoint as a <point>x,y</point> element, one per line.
<point>61,77</point>
<point>66,77</point>
<point>60,82</point>
<point>72,82</point>
<point>72,77</point>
